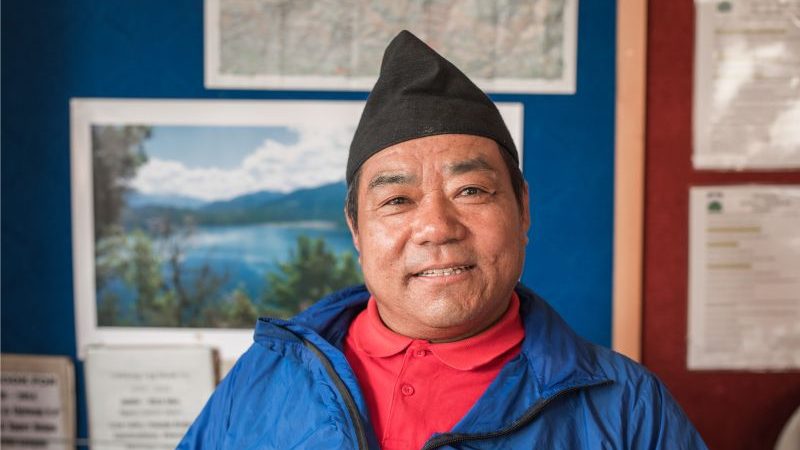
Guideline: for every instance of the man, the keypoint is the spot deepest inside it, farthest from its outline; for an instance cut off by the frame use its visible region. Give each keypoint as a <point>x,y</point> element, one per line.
<point>442,349</point>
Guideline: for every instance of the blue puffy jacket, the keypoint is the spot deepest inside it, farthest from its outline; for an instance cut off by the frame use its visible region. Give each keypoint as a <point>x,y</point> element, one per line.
<point>293,389</point>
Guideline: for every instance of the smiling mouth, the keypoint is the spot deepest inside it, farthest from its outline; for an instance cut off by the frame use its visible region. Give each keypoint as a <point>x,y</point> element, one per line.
<point>444,272</point>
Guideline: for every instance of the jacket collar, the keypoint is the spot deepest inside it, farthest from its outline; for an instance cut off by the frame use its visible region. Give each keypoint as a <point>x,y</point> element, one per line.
<point>553,359</point>
<point>552,356</point>
<point>329,318</point>
<point>555,354</point>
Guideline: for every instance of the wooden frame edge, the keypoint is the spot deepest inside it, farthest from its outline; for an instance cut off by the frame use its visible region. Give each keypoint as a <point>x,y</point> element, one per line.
<point>629,177</point>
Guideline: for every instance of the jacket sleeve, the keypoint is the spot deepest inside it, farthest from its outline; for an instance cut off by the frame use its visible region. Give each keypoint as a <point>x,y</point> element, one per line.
<point>657,421</point>
<point>209,428</point>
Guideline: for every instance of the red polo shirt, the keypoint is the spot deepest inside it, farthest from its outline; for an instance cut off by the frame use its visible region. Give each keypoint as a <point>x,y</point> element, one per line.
<point>414,388</point>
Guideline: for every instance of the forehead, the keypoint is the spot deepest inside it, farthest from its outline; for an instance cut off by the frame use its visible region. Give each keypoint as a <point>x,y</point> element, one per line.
<point>438,152</point>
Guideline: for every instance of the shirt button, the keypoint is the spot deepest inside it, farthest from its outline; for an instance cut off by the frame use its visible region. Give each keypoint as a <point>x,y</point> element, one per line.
<point>407,389</point>
<point>420,353</point>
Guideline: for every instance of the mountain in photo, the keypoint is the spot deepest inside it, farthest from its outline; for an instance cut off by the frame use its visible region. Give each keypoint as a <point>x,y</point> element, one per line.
<point>136,199</point>
<point>322,203</point>
<point>243,202</point>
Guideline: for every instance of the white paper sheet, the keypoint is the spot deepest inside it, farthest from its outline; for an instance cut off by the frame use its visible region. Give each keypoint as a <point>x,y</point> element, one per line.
<point>747,85</point>
<point>744,278</point>
<point>38,402</point>
<point>142,397</point>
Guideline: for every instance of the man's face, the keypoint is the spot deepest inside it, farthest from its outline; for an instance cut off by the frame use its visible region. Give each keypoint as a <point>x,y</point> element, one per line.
<point>440,235</point>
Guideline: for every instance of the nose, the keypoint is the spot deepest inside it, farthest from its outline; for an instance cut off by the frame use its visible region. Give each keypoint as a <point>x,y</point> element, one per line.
<point>437,222</point>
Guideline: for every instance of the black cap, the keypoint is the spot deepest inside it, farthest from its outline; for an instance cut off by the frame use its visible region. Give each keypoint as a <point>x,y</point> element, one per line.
<point>418,94</point>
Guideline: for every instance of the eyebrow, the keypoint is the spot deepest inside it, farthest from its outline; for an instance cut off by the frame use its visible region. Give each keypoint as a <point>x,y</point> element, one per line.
<point>456,168</point>
<point>390,178</point>
<point>469,165</point>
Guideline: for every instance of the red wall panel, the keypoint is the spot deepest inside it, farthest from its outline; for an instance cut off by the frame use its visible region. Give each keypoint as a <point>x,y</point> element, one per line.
<point>732,410</point>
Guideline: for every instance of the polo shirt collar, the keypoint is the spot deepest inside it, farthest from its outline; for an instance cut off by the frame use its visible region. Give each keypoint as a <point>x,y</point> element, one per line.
<point>466,354</point>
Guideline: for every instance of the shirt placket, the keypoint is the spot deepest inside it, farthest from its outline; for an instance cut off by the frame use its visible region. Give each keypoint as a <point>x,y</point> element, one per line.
<point>408,396</point>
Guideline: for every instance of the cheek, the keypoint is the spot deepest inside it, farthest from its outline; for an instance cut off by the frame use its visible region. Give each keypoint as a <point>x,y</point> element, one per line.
<point>497,224</point>
<point>381,246</point>
<point>504,245</point>
<point>384,234</point>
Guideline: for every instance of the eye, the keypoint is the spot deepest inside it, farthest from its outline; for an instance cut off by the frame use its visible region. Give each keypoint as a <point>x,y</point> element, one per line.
<point>471,191</point>
<point>474,194</point>
<point>396,201</point>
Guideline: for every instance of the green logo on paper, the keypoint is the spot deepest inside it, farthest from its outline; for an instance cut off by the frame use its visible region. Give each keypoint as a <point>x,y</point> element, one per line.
<point>715,207</point>
<point>724,7</point>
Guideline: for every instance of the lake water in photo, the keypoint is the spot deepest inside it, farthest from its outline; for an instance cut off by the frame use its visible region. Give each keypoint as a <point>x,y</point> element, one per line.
<point>247,252</point>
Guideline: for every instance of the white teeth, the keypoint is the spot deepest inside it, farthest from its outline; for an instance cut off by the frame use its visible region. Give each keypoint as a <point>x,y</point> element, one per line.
<point>443,272</point>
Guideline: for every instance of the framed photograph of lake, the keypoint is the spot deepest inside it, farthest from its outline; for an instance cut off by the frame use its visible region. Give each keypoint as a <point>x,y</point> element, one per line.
<point>192,218</point>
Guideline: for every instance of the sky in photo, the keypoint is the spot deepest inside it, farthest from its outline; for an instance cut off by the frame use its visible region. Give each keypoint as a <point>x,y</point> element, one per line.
<point>221,162</point>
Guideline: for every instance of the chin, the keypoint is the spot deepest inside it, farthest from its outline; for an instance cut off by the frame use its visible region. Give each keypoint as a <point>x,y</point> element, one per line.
<point>445,313</point>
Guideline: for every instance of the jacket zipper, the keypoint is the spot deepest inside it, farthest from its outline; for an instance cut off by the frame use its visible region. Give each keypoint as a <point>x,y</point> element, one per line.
<point>526,418</point>
<point>361,435</point>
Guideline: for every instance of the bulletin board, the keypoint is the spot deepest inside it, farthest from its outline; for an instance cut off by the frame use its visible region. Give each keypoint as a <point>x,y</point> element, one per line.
<point>731,409</point>
<point>154,50</point>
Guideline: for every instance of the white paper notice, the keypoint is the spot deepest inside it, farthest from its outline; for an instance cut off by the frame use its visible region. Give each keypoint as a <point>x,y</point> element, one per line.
<point>744,278</point>
<point>32,412</point>
<point>38,402</point>
<point>747,84</point>
<point>145,397</point>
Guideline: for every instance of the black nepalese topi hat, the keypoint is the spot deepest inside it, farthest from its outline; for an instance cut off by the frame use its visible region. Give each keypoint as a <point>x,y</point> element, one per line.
<point>418,94</point>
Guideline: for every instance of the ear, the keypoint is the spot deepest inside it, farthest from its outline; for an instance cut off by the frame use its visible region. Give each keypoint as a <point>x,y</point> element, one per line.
<point>526,213</point>
<point>353,234</point>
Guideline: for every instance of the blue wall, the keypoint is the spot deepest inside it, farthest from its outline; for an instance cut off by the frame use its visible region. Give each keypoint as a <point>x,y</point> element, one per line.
<point>52,51</point>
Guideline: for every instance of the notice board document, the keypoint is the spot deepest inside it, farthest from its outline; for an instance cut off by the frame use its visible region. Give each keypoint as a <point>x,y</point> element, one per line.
<point>37,398</point>
<point>744,278</point>
<point>747,85</point>
<point>145,397</point>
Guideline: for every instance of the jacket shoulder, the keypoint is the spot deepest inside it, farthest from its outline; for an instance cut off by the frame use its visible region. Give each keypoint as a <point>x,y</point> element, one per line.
<point>623,401</point>
<point>276,392</point>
